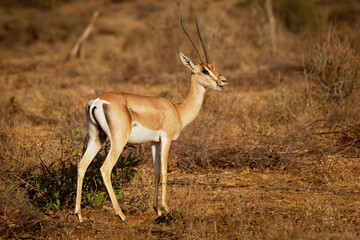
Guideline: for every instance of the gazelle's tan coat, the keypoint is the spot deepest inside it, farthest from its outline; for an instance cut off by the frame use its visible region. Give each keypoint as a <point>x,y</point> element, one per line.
<point>128,118</point>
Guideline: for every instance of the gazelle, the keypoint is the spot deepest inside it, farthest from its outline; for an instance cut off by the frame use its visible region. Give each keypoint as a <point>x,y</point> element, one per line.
<point>128,118</point>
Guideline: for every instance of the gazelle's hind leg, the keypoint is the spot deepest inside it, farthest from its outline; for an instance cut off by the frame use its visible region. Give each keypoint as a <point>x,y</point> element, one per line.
<point>116,148</point>
<point>96,140</point>
<point>119,133</point>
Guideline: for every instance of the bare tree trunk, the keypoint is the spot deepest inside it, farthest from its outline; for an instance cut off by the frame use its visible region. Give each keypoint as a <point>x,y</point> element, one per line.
<point>272,26</point>
<point>76,51</point>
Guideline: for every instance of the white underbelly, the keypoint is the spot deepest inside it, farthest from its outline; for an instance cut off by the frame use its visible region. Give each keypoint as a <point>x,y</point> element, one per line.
<point>141,134</point>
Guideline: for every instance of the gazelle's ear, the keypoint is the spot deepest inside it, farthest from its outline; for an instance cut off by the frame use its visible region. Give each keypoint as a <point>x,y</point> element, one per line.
<point>187,62</point>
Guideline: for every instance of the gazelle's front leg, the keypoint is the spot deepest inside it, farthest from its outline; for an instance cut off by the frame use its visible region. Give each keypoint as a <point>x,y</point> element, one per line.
<point>165,147</point>
<point>155,150</point>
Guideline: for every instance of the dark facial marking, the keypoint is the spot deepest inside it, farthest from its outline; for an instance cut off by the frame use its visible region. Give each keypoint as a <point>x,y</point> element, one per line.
<point>204,71</point>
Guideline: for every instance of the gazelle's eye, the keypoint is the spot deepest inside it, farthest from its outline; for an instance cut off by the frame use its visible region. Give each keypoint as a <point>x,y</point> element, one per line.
<point>204,71</point>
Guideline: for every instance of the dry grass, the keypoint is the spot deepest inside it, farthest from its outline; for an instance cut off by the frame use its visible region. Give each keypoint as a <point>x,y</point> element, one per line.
<point>275,156</point>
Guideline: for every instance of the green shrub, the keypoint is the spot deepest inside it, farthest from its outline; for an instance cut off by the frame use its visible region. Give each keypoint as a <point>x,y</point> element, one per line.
<point>54,185</point>
<point>244,3</point>
<point>296,15</point>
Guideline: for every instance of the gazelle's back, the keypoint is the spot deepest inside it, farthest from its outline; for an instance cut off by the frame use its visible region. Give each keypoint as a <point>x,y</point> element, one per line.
<point>151,113</point>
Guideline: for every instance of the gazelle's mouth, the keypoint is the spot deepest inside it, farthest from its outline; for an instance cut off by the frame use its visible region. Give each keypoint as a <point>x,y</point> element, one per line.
<point>221,88</point>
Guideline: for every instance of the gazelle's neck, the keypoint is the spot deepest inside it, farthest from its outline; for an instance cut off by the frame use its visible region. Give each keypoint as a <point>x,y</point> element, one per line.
<point>190,107</point>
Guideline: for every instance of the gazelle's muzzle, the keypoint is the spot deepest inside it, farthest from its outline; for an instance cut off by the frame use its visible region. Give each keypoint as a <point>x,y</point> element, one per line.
<point>221,82</point>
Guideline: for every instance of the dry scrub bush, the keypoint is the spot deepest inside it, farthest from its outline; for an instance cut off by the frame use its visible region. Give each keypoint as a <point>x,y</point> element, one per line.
<point>334,67</point>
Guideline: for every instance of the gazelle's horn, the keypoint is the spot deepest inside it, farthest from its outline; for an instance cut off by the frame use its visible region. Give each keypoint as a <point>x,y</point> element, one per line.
<point>202,42</point>
<point>187,34</point>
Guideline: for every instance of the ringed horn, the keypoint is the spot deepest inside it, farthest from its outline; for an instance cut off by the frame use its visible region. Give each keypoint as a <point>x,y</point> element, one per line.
<point>207,57</point>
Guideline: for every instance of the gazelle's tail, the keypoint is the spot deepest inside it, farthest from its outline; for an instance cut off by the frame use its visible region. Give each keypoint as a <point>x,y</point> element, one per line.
<point>96,115</point>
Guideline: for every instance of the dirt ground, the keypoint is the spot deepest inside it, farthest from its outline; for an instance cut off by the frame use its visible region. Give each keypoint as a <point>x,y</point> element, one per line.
<point>274,156</point>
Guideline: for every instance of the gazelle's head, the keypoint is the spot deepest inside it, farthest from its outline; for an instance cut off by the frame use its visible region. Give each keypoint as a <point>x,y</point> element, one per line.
<point>204,72</point>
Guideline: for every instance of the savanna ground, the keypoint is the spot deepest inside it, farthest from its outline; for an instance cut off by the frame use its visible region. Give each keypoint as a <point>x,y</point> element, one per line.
<point>275,156</point>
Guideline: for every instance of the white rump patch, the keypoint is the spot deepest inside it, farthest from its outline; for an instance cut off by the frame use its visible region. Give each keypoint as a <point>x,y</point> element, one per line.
<point>99,115</point>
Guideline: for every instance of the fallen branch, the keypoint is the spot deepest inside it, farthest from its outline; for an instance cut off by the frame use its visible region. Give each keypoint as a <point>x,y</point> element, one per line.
<point>6,220</point>
<point>76,51</point>
<point>25,225</point>
<point>13,233</point>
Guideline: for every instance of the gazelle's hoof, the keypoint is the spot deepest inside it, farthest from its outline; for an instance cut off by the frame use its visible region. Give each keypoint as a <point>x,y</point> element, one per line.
<point>165,208</point>
<point>79,216</point>
<point>158,211</point>
<point>122,217</point>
